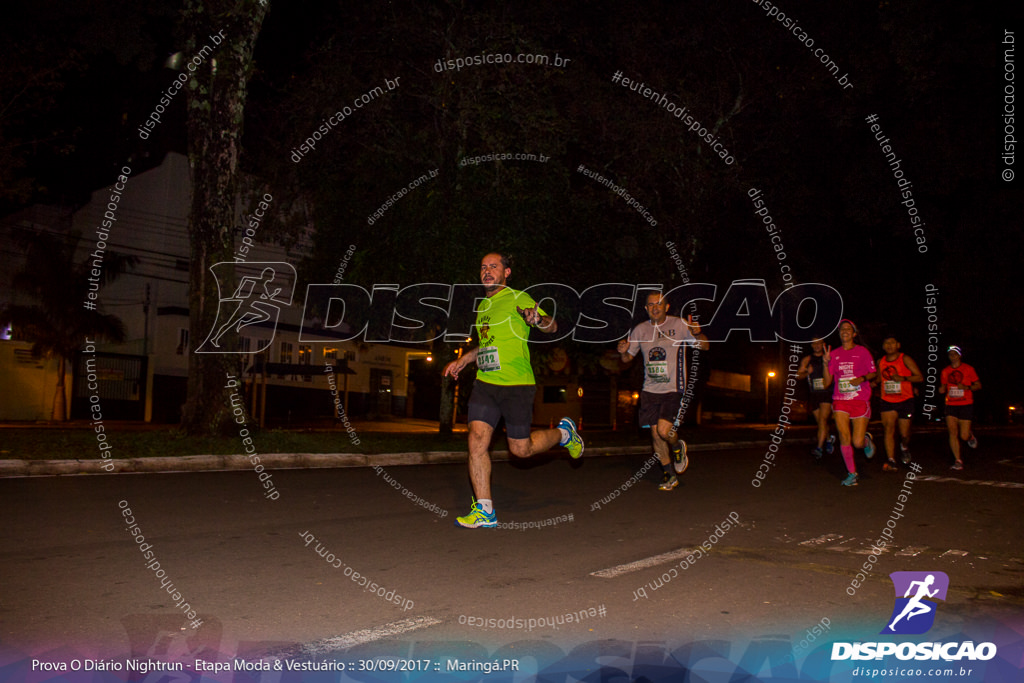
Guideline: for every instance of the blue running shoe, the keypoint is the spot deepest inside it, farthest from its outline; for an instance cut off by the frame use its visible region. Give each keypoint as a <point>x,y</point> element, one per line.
<point>477,518</point>
<point>869,447</point>
<point>851,479</point>
<point>830,444</point>
<point>575,444</point>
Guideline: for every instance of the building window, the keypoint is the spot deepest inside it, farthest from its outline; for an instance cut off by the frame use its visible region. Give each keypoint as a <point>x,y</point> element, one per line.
<point>306,358</point>
<point>182,341</point>
<point>286,355</point>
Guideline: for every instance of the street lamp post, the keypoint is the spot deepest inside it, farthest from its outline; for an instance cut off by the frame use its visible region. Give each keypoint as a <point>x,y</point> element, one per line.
<point>767,378</point>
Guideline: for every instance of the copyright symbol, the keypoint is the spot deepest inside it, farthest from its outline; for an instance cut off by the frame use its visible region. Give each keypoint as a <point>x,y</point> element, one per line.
<point>1007,174</point>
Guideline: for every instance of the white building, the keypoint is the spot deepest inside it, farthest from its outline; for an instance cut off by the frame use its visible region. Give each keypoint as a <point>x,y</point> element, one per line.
<point>145,377</point>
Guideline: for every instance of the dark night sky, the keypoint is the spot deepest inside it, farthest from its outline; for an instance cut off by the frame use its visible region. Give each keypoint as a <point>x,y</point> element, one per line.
<point>931,71</point>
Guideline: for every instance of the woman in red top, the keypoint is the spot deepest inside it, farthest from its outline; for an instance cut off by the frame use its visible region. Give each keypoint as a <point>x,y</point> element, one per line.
<point>959,382</point>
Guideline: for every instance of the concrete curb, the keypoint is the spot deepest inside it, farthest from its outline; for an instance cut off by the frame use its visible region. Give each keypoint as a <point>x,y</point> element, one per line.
<point>293,461</point>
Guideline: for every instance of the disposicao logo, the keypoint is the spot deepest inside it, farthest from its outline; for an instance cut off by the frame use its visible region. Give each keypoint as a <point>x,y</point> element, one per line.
<point>263,290</point>
<point>914,614</point>
<point>915,608</point>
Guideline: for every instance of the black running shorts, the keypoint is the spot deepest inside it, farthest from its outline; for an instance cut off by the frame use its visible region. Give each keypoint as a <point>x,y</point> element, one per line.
<point>904,408</point>
<point>490,402</point>
<point>654,407</point>
<point>964,412</point>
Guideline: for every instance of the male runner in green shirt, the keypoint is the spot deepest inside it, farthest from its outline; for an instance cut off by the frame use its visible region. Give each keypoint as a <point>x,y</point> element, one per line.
<point>504,385</point>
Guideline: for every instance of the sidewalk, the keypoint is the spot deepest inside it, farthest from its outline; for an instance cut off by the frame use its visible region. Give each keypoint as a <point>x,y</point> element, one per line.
<point>702,439</point>
<point>406,425</point>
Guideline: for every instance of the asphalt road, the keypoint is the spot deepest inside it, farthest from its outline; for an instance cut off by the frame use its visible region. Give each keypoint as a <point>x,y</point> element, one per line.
<point>74,580</point>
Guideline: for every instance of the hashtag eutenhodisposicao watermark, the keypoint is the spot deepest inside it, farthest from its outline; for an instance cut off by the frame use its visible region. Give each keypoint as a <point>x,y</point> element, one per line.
<point>95,273</point>
<point>149,556</point>
<point>537,523</point>
<point>681,113</point>
<point>885,538</point>
<point>903,184</point>
<point>620,191</point>
<point>783,423</point>
<point>529,623</point>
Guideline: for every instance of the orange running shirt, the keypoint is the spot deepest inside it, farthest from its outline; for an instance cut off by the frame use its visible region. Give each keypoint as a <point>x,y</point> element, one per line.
<point>894,389</point>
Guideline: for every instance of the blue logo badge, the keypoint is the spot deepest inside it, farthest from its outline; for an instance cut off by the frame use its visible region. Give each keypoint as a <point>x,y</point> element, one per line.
<point>916,593</point>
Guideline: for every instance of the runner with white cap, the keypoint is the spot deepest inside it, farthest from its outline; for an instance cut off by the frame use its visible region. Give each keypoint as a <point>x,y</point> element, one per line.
<point>959,381</point>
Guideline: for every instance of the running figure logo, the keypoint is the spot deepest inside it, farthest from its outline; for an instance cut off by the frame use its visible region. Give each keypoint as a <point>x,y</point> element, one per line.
<point>257,300</point>
<point>914,613</point>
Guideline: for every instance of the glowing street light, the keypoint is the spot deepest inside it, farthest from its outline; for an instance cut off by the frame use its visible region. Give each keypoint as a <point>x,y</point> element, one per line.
<point>767,379</point>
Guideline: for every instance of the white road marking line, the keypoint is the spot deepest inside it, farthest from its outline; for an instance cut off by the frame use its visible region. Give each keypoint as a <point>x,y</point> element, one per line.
<point>368,635</point>
<point>621,569</point>
<point>867,548</point>
<point>822,540</point>
<point>975,482</point>
<point>843,546</point>
<point>870,549</point>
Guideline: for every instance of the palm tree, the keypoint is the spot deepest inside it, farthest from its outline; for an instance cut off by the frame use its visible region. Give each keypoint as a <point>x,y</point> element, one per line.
<point>57,321</point>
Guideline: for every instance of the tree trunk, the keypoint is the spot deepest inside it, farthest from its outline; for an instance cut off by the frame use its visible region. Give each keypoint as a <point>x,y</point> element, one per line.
<point>447,410</point>
<point>216,105</point>
<point>446,414</point>
<point>60,397</point>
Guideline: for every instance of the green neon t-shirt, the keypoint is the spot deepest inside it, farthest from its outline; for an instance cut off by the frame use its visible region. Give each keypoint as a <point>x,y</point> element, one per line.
<point>504,357</point>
